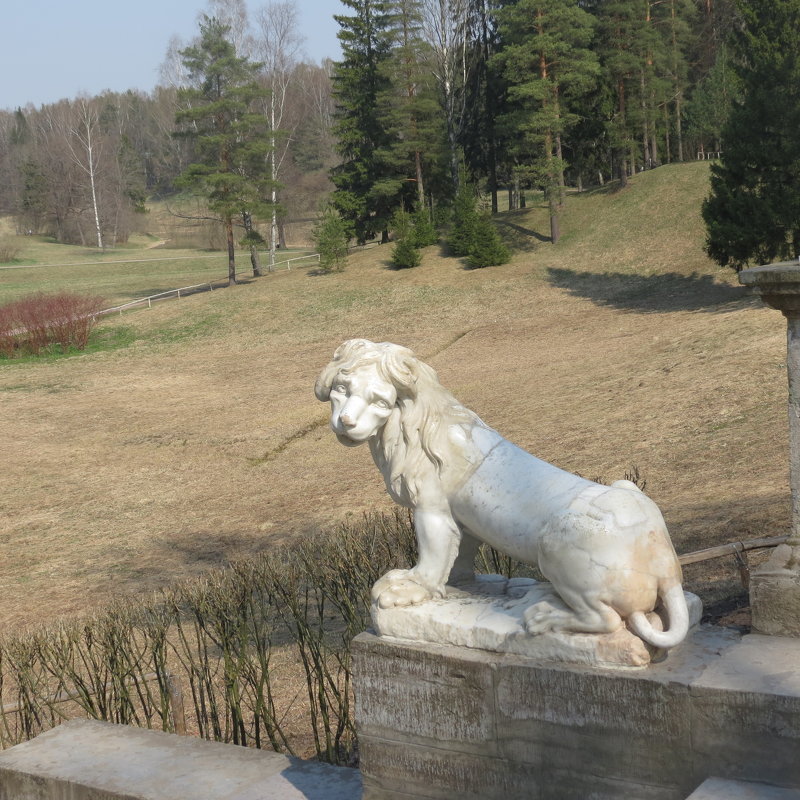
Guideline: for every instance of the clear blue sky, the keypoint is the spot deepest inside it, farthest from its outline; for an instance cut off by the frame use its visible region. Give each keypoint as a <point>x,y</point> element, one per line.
<point>53,49</point>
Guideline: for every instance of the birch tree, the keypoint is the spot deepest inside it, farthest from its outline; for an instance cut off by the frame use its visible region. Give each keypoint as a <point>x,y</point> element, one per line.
<point>278,48</point>
<point>447,30</point>
<point>86,148</point>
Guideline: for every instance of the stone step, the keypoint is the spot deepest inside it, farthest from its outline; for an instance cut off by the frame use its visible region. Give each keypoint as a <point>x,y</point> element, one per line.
<point>721,789</point>
<point>91,760</point>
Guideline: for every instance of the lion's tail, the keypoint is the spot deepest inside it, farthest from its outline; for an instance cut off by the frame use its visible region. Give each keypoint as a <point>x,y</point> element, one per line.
<point>678,615</point>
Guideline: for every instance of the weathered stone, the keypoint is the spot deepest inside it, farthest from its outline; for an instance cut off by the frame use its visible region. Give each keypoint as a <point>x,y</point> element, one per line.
<point>775,587</point>
<point>746,712</point>
<point>775,594</point>
<point>456,684</point>
<point>719,706</point>
<point>719,789</point>
<point>489,613</point>
<point>442,773</point>
<point>91,760</point>
<point>551,714</point>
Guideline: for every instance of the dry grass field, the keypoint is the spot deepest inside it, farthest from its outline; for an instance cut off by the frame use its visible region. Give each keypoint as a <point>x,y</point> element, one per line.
<point>200,441</point>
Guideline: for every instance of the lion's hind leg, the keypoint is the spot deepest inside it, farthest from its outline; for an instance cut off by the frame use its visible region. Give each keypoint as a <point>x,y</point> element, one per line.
<point>578,613</point>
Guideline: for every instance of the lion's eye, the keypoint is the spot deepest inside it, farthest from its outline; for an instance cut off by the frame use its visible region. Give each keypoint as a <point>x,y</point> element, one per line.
<point>381,404</point>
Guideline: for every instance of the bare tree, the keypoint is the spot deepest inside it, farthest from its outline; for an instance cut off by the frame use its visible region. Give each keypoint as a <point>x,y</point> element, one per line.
<point>278,47</point>
<point>447,31</point>
<point>86,146</point>
<point>233,14</point>
<point>172,71</point>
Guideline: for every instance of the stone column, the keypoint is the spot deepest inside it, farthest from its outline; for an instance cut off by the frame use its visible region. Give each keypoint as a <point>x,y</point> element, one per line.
<point>775,587</point>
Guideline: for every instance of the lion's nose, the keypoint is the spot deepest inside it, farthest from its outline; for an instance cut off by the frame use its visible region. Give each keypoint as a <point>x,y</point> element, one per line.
<point>351,412</point>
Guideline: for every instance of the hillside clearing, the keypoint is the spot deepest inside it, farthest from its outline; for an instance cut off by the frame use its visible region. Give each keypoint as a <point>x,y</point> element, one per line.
<point>202,441</point>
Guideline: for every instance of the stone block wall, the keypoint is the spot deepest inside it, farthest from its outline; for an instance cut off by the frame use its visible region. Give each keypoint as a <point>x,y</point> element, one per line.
<point>442,722</point>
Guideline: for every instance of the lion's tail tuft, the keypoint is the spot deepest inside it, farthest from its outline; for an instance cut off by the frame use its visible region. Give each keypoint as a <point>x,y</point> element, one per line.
<point>678,615</point>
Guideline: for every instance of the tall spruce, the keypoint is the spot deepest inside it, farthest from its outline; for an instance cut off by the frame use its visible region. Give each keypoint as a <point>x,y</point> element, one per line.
<point>484,98</point>
<point>547,63</point>
<point>753,212</point>
<point>369,180</point>
<point>230,137</point>
<point>410,104</point>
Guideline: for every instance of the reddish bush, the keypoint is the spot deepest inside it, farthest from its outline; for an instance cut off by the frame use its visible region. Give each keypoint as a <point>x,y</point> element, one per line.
<point>33,323</point>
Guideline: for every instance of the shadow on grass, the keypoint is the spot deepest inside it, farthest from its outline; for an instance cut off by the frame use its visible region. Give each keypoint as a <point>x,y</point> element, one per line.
<point>518,236</point>
<point>170,294</point>
<point>656,294</point>
<point>696,526</point>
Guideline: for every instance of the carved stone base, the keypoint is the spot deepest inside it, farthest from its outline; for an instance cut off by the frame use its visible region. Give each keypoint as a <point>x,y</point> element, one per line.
<point>775,593</point>
<point>488,615</point>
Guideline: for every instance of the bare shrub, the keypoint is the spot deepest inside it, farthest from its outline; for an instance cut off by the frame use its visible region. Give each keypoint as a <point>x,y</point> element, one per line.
<point>31,324</point>
<point>221,635</point>
<point>9,249</point>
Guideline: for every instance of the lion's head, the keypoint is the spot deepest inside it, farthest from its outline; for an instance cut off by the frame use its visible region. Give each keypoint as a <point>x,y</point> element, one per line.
<point>382,393</point>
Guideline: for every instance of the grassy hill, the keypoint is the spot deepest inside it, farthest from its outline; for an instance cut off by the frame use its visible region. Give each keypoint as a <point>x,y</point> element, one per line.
<point>200,441</point>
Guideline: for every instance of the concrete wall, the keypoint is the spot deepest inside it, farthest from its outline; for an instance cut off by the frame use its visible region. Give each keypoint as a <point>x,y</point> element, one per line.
<point>443,722</point>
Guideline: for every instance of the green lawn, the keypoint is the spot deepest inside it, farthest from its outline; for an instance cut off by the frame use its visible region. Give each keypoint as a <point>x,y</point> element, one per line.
<point>119,275</point>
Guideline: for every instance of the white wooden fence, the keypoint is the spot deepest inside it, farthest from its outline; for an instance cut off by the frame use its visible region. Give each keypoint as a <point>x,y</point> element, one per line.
<point>150,299</point>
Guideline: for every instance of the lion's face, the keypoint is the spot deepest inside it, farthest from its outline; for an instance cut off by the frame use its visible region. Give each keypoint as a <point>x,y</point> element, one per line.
<point>361,402</point>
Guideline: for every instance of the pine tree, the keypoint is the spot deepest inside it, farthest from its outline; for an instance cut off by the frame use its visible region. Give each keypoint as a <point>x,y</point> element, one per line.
<point>409,105</point>
<point>230,138</point>
<point>405,255</point>
<point>465,222</point>
<point>331,238</point>
<point>753,212</point>
<point>424,232</point>
<point>369,182</point>
<point>546,58</point>
<point>487,248</point>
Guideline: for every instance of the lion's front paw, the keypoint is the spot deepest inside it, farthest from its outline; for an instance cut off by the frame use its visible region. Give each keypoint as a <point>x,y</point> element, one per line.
<point>542,617</point>
<point>400,587</point>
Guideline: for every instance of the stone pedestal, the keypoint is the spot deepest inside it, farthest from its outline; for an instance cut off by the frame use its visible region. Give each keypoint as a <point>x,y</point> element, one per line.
<point>775,587</point>
<point>488,614</point>
<point>440,722</point>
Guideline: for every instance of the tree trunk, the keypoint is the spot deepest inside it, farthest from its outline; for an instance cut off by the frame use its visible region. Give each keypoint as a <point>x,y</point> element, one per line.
<point>228,222</point>
<point>420,185</point>
<point>281,236</point>
<point>555,227</point>
<point>645,127</point>
<point>247,219</point>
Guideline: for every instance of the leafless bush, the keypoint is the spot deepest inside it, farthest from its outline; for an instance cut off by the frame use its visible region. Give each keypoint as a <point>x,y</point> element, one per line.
<point>220,635</point>
<point>34,323</point>
<point>9,250</point>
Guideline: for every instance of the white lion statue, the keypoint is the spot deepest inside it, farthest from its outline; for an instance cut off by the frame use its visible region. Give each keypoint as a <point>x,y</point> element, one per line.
<point>605,549</point>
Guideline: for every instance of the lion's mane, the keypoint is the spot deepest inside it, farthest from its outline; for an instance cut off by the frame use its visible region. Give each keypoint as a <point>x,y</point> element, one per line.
<point>416,436</point>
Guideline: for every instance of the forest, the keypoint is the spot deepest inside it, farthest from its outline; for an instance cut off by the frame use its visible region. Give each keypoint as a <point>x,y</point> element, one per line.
<point>430,96</point>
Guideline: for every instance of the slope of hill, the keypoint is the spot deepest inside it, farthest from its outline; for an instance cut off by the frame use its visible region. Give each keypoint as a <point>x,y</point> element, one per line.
<point>202,441</point>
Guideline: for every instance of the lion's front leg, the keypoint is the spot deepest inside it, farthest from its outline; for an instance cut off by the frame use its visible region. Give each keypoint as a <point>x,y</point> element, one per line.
<point>438,538</point>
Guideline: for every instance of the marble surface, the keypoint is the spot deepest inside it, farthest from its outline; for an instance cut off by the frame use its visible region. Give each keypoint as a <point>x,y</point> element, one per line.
<point>604,549</point>
<point>489,614</point>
